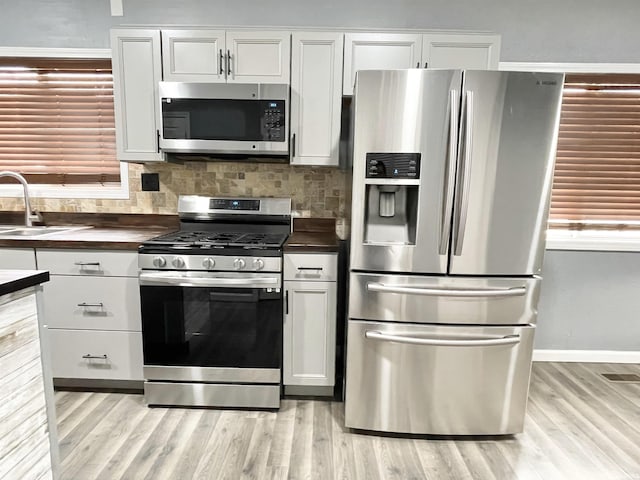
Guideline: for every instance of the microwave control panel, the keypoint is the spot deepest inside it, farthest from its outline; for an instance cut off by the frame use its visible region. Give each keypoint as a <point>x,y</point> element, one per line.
<point>273,120</point>
<point>393,165</point>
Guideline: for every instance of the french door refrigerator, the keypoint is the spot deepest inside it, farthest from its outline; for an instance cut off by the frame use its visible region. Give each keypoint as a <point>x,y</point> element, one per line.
<point>452,174</point>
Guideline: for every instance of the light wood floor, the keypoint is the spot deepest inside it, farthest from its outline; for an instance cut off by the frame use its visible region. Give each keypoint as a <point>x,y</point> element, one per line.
<point>579,426</point>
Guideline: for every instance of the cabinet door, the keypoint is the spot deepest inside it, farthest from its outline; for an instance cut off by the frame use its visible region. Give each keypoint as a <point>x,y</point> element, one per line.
<point>17,259</point>
<point>316,96</point>
<point>136,73</point>
<point>193,55</point>
<point>262,57</point>
<point>477,52</point>
<point>309,333</point>
<point>378,51</point>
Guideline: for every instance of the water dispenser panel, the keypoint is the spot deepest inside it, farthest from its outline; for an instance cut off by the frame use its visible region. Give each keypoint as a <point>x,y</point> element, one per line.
<point>393,165</point>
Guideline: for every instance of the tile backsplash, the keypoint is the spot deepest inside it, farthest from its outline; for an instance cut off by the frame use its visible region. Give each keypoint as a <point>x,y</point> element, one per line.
<point>315,191</point>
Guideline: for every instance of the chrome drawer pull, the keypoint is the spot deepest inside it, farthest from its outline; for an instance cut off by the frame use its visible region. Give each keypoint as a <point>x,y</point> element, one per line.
<point>88,264</point>
<point>95,305</point>
<point>448,292</point>
<point>437,342</point>
<point>311,268</point>
<point>88,356</point>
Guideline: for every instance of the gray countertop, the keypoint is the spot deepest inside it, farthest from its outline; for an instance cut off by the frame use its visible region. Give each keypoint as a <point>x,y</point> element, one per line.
<point>14,280</point>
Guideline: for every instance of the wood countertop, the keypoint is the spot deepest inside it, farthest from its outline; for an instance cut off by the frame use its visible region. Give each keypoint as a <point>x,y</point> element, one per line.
<point>313,235</point>
<point>99,230</point>
<point>15,280</point>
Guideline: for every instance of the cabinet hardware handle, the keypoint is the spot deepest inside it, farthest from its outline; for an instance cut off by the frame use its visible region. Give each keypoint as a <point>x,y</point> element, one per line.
<point>311,268</point>
<point>87,264</point>
<point>85,304</point>
<point>418,65</point>
<point>286,302</point>
<point>229,62</point>
<point>426,64</point>
<point>221,60</point>
<point>88,356</point>
<point>158,141</point>
<point>293,146</point>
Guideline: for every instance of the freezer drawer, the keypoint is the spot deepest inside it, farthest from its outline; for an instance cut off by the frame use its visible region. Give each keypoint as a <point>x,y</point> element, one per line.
<point>448,300</point>
<point>443,380</point>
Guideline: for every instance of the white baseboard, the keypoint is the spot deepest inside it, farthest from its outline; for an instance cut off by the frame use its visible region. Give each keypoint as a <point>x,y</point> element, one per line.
<point>587,356</point>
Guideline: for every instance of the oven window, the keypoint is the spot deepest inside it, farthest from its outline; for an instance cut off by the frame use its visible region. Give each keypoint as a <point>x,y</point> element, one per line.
<point>207,119</point>
<point>211,327</point>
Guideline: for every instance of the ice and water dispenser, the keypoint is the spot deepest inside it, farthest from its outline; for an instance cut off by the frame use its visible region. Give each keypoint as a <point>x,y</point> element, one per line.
<point>391,207</point>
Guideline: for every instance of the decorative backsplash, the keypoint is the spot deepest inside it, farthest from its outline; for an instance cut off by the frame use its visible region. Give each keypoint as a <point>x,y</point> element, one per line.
<point>315,191</point>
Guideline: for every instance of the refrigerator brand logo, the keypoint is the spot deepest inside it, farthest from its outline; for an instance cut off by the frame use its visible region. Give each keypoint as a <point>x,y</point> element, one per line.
<point>546,82</point>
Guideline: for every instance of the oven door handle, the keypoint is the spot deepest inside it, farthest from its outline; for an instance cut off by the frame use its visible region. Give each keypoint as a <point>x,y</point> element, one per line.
<point>150,279</point>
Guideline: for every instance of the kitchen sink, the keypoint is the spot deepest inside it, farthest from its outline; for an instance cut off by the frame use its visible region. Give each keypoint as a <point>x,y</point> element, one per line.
<point>18,232</point>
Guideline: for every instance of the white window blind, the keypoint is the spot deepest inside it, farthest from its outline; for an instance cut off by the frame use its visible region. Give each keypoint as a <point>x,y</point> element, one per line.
<point>57,121</point>
<point>597,174</point>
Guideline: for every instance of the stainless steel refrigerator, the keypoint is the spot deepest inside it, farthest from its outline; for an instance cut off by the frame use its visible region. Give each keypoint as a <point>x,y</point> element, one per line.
<point>452,175</point>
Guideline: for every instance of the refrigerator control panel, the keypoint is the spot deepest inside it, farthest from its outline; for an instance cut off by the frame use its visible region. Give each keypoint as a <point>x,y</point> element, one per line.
<point>393,165</point>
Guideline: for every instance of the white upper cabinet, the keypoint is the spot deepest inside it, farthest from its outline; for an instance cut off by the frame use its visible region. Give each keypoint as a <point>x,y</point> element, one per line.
<point>316,97</point>
<point>205,55</point>
<point>388,51</point>
<point>193,55</point>
<point>378,51</point>
<point>474,51</point>
<point>136,65</point>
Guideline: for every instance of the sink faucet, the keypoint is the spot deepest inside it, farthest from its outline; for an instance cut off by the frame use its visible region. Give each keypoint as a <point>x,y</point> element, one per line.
<point>29,216</point>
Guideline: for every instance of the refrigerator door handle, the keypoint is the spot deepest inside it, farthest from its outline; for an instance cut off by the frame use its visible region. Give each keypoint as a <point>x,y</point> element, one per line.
<point>445,223</point>
<point>448,292</point>
<point>438,342</point>
<point>466,177</point>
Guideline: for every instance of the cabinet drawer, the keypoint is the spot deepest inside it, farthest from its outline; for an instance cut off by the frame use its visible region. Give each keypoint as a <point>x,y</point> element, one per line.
<point>311,266</point>
<point>119,354</point>
<point>88,262</point>
<point>92,303</point>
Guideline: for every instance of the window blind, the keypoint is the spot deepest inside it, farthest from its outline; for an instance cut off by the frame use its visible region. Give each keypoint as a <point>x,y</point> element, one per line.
<point>57,121</point>
<point>597,174</point>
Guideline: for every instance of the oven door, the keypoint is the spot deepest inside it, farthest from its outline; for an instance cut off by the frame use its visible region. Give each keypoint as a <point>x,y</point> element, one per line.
<point>211,327</point>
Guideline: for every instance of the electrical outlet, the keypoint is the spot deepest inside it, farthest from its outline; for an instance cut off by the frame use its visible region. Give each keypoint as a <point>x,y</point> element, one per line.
<point>150,182</point>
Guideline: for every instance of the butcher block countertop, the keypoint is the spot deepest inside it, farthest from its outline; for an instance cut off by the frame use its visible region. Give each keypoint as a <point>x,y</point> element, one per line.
<point>112,231</point>
<point>14,280</point>
<point>313,235</point>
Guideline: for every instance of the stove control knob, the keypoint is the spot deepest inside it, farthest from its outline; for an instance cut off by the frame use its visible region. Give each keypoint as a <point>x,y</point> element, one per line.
<point>178,262</point>
<point>239,264</point>
<point>159,262</point>
<point>208,263</point>
<point>258,264</point>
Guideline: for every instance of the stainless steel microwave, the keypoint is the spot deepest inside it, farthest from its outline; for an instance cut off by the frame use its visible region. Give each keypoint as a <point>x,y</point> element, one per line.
<point>224,118</point>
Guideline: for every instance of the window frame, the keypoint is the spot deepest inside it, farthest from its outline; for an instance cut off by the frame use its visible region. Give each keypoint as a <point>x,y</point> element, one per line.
<point>593,240</point>
<point>91,191</point>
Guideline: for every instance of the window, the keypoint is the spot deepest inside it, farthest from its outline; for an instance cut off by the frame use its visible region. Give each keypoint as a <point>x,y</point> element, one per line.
<point>57,121</point>
<point>597,175</point>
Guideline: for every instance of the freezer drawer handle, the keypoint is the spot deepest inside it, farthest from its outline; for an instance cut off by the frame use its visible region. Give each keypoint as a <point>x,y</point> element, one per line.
<point>436,342</point>
<point>448,292</point>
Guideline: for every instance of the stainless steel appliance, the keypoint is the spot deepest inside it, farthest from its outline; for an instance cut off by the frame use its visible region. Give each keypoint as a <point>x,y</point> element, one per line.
<point>212,304</point>
<point>224,118</point>
<point>451,184</point>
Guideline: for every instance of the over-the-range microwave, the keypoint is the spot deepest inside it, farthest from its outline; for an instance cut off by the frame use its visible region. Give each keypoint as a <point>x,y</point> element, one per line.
<point>224,118</point>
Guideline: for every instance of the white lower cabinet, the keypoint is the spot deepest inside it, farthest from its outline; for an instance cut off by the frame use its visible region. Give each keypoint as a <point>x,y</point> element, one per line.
<point>310,321</point>
<point>99,355</point>
<point>92,312</point>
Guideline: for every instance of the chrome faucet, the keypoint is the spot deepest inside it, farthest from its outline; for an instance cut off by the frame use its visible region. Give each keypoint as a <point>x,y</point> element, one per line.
<point>29,216</point>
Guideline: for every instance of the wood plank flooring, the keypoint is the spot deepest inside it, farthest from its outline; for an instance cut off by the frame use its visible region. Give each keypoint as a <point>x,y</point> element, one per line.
<point>579,426</point>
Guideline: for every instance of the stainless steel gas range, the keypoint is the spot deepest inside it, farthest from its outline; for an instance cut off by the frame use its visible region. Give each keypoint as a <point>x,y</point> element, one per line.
<point>212,304</point>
